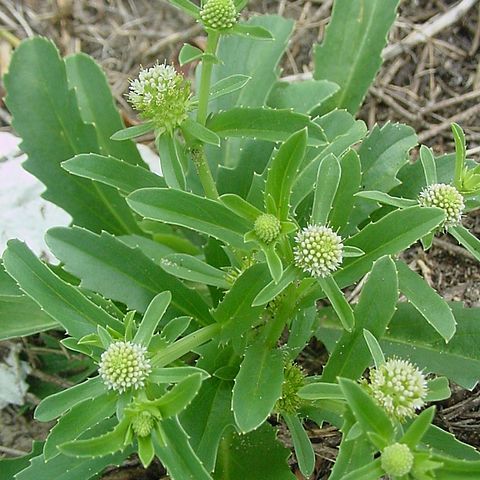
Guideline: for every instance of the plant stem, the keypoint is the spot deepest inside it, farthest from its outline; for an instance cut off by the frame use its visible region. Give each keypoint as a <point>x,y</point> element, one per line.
<point>185,345</point>
<point>204,172</point>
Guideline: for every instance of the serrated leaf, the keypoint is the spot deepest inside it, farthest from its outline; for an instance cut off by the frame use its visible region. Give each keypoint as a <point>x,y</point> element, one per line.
<point>252,31</point>
<point>154,313</point>
<point>11,466</point>
<point>427,301</point>
<point>113,172</point>
<point>257,387</point>
<point>170,153</point>
<point>350,52</point>
<point>282,173</point>
<point>97,259</point>
<point>190,211</point>
<point>328,179</point>
<point>418,428</point>
<point>466,239</point>
<point>61,301</point>
<point>302,445</point>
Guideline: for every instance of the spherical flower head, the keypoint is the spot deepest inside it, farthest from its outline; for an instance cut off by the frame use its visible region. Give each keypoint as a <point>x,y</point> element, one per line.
<point>397,460</point>
<point>294,379</point>
<point>318,250</point>
<point>399,387</point>
<point>219,14</point>
<point>142,424</point>
<point>446,197</point>
<point>267,228</point>
<point>161,94</point>
<point>124,365</point>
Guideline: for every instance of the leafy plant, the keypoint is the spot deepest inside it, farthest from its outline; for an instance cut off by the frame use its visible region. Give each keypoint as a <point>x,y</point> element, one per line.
<point>193,293</point>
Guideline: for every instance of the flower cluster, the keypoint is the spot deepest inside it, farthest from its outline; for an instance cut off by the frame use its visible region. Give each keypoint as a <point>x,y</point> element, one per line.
<point>143,423</point>
<point>399,387</point>
<point>124,365</point>
<point>446,197</point>
<point>161,94</point>
<point>318,250</point>
<point>294,379</point>
<point>219,14</point>
<point>267,227</point>
<point>397,460</point>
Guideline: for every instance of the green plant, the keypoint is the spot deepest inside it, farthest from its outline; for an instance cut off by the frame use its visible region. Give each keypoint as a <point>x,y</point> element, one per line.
<point>194,293</point>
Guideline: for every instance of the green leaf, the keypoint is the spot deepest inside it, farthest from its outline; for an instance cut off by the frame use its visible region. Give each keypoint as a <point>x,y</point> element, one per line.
<point>97,106</point>
<point>302,445</point>
<point>393,233</point>
<point>146,451</point>
<point>198,131</point>
<point>282,172</point>
<point>438,389</point>
<point>301,330</point>
<point>350,52</point>
<point>20,316</point>
<point>170,152</point>
<point>174,328</point>
<point>257,455</point>
<point>228,85</point>
<point>207,417</point>
<point>252,31</point>
<point>466,239</point>
<point>328,179</point>
<point>302,96</point>
<point>151,319</point>
<point>369,415</point>
<point>339,302</point>
<point>321,391</point>
<point>428,164</point>
<point>61,301</point>
<point>447,445</point>
<point>133,132</point>
<point>418,428</point>
<point>274,262</point>
<point>460,154</point>
<point>386,199</point>
<point>374,347</point>
<point>192,268</point>
<point>241,207</point>
<point>78,420</point>
<point>188,7</point>
<point>47,117</point>
<point>453,469</point>
<point>270,291</point>
<point>257,387</point>
<point>428,302</point>
<point>188,54</point>
<point>175,374</point>
<point>235,312</point>
<point>105,444</point>
<point>53,406</point>
<point>351,355</point>
<point>11,466</point>
<point>264,124</point>
<point>190,211</point>
<point>113,172</point>
<point>176,454</point>
<point>97,259</point>
<point>371,471</point>
<point>349,251</point>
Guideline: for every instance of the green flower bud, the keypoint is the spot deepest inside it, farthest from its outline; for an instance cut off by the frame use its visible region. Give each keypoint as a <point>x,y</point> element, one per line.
<point>219,14</point>
<point>161,94</point>
<point>267,227</point>
<point>446,197</point>
<point>290,402</point>
<point>124,365</point>
<point>397,460</point>
<point>318,250</point>
<point>399,387</point>
<point>143,423</point>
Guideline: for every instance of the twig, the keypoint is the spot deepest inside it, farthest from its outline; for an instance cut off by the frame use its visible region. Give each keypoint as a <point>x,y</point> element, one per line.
<point>12,451</point>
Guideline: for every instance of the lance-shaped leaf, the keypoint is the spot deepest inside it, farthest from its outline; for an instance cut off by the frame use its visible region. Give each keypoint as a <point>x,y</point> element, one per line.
<point>187,6</point>
<point>429,303</point>
<point>228,85</point>
<point>438,389</point>
<point>386,199</point>
<point>264,124</point>
<point>133,132</point>
<point>198,131</point>
<point>60,300</point>
<point>47,117</point>
<point>176,454</point>
<point>252,31</point>
<point>321,391</point>
<point>258,386</point>
<point>175,374</point>
<point>190,211</point>
<point>465,238</point>
<point>328,179</point>
<point>302,445</point>
<point>270,291</point>
<point>339,302</point>
<point>428,164</point>
<point>188,54</point>
<point>282,172</point>
<point>371,471</point>
<point>54,405</point>
<point>97,259</point>
<point>113,172</point>
<point>418,428</point>
<point>374,347</point>
<point>241,207</point>
<point>350,53</point>
<point>151,319</point>
<point>171,161</point>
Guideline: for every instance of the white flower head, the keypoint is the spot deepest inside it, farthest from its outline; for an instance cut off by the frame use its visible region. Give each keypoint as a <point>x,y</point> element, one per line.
<point>161,94</point>
<point>399,387</point>
<point>124,365</point>
<point>318,250</point>
<point>219,14</point>
<point>397,460</point>
<point>446,197</point>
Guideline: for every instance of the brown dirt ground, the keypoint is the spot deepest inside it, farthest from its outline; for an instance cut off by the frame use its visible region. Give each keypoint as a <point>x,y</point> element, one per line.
<point>426,86</point>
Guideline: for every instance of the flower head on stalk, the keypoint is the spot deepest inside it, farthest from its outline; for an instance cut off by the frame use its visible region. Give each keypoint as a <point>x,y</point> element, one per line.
<point>219,14</point>
<point>446,197</point>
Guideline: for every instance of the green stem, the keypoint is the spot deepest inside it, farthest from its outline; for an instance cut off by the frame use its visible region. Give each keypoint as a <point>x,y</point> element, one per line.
<point>185,345</point>
<point>204,172</point>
